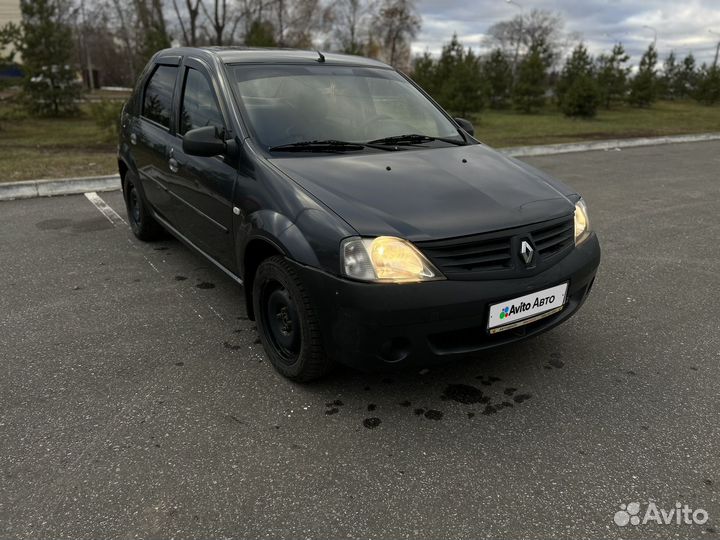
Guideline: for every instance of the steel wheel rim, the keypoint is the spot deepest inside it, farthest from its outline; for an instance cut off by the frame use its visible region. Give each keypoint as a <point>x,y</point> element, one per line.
<point>281,321</point>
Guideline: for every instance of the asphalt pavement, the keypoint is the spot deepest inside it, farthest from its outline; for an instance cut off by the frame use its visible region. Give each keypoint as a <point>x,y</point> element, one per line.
<point>136,401</point>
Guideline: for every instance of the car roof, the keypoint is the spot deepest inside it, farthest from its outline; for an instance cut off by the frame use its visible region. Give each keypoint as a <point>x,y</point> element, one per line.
<point>256,55</point>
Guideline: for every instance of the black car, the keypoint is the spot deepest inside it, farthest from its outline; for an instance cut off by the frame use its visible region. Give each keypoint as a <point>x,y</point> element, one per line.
<point>366,225</point>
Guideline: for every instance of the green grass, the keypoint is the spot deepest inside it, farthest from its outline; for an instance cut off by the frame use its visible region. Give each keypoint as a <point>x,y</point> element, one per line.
<point>33,148</point>
<point>508,128</point>
<point>47,148</point>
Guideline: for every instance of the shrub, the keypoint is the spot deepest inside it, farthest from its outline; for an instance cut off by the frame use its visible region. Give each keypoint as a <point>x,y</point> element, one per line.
<point>106,114</point>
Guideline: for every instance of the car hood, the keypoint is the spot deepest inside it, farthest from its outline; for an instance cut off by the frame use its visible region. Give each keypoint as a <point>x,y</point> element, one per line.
<point>431,193</point>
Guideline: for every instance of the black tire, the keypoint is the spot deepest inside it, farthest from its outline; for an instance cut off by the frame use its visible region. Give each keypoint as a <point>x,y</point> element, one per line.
<point>287,323</point>
<point>143,225</point>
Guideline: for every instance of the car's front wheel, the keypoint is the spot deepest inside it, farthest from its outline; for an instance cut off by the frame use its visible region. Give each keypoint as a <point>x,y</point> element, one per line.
<point>143,225</point>
<point>286,321</point>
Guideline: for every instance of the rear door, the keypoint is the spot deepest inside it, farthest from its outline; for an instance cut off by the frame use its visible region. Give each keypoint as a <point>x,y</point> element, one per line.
<point>152,137</point>
<point>203,185</point>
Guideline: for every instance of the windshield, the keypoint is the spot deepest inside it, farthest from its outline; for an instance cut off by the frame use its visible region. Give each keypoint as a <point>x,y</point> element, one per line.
<point>287,104</point>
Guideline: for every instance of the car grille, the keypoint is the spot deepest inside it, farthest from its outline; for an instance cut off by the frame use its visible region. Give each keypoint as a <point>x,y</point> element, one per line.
<point>498,253</point>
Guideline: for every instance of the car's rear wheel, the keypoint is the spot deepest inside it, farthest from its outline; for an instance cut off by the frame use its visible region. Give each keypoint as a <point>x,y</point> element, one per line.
<point>143,225</point>
<point>287,322</point>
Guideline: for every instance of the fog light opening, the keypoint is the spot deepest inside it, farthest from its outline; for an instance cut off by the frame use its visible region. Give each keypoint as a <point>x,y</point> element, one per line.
<point>395,350</point>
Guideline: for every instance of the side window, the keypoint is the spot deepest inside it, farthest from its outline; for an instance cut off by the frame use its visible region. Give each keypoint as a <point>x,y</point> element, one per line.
<point>157,102</point>
<point>199,107</point>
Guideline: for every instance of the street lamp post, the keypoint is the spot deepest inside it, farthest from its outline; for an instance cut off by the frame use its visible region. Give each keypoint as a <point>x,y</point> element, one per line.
<point>519,37</point>
<point>717,49</point>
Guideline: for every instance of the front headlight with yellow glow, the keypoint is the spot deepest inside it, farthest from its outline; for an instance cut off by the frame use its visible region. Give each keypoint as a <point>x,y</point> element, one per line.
<point>385,259</point>
<point>582,222</point>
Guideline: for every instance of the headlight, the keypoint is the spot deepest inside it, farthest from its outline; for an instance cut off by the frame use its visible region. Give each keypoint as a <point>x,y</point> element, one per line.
<point>582,222</point>
<point>385,259</point>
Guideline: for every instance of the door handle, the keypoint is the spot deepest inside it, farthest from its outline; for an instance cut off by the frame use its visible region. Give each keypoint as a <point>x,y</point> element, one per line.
<point>133,138</point>
<point>173,165</point>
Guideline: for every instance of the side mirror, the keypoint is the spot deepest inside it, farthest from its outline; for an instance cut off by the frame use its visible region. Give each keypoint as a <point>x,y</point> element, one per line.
<point>466,125</point>
<point>204,141</point>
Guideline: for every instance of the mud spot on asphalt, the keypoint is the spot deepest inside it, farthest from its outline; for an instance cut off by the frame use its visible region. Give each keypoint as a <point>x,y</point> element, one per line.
<point>371,407</point>
<point>489,409</point>
<point>509,391</point>
<point>521,397</point>
<point>630,372</point>
<point>180,278</point>
<point>419,412</point>
<point>694,368</point>
<point>432,414</point>
<point>405,403</point>
<point>471,415</point>
<point>371,423</point>
<point>463,393</point>
<point>487,381</point>
<point>231,346</point>
<point>53,224</point>
<point>557,363</point>
<point>205,285</point>
<point>179,364</point>
<point>708,482</point>
<point>334,410</point>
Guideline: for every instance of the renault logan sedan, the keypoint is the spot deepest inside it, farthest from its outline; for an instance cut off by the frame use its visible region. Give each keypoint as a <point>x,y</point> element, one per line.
<point>366,225</point>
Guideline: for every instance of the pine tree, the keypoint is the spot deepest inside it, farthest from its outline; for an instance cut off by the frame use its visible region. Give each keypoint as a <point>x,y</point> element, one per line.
<point>578,71</point>
<point>261,34</point>
<point>531,85</point>
<point>50,86</point>
<point>459,78</point>
<point>425,74</point>
<point>497,73</point>
<point>686,80</point>
<point>612,74</point>
<point>708,85</point>
<point>668,81</point>
<point>643,89</point>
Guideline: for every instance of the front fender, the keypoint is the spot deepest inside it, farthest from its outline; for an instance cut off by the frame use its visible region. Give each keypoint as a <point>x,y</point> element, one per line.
<point>277,230</point>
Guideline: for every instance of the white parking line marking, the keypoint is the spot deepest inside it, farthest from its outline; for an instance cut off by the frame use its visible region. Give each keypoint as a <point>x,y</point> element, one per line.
<point>105,209</point>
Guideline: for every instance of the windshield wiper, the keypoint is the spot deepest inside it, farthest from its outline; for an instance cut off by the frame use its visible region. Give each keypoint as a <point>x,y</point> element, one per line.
<point>415,138</point>
<point>329,145</point>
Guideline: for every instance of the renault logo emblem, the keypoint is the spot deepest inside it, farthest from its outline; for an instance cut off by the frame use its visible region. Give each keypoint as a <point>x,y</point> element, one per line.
<point>526,251</point>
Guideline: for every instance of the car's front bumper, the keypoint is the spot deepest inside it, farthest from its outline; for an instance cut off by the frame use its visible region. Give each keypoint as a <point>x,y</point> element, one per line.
<point>371,325</point>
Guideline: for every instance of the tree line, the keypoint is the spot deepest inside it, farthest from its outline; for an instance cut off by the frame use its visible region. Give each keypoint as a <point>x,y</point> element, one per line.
<point>523,71</point>
<point>524,68</point>
<point>112,40</point>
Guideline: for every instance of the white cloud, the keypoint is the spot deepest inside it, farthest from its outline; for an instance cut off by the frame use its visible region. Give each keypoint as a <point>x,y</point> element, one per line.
<point>681,25</point>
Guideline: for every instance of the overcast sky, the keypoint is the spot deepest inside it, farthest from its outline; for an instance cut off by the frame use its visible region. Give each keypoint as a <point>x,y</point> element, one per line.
<point>681,25</point>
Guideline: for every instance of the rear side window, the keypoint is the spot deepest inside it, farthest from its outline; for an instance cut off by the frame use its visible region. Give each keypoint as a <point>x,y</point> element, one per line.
<point>157,103</point>
<point>199,107</point>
